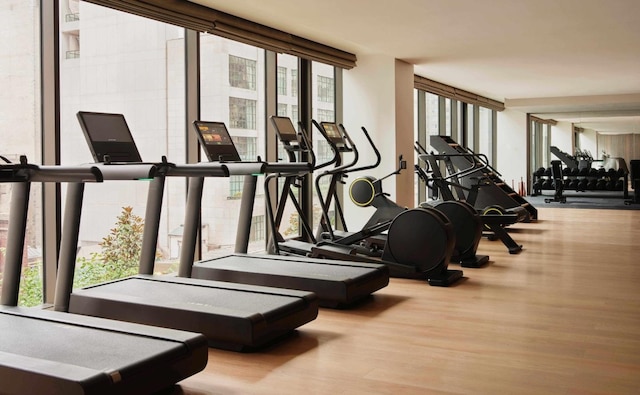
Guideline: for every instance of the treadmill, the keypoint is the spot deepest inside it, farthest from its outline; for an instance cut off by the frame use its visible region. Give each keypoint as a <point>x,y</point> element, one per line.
<point>48,352</point>
<point>337,284</point>
<point>235,317</point>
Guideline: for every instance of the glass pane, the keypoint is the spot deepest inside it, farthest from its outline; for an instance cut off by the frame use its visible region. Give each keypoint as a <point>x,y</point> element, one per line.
<point>448,114</point>
<point>433,111</point>
<point>323,105</point>
<point>471,143</point>
<point>225,65</point>
<point>125,64</point>
<point>287,87</point>
<point>20,104</point>
<point>485,130</point>
<point>546,143</point>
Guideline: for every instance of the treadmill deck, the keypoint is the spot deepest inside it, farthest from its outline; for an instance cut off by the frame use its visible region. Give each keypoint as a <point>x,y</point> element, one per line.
<point>53,352</point>
<point>336,283</point>
<point>231,316</point>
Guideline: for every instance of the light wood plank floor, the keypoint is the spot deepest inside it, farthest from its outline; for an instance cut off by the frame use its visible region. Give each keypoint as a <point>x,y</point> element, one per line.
<point>562,317</point>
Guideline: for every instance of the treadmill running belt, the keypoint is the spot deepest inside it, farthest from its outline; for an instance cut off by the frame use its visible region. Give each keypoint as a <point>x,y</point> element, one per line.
<point>231,316</point>
<point>336,283</point>
<point>58,353</point>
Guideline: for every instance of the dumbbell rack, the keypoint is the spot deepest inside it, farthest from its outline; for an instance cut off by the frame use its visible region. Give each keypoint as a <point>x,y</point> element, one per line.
<point>583,180</point>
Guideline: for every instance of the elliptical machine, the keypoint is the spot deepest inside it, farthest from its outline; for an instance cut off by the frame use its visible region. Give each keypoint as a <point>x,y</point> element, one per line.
<point>419,242</point>
<point>368,191</point>
<point>493,218</point>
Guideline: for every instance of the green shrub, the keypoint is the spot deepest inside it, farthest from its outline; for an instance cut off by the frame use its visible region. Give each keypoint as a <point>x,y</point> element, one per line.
<point>119,257</point>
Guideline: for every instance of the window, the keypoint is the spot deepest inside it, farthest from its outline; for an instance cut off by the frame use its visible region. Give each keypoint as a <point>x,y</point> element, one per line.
<point>246,147</point>
<point>433,117</point>
<point>294,83</point>
<point>242,113</point>
<point>257,228</point>
<point>242,73</point>
<point>325,115</point>
<point>469,125</point>
<point>282,80</point>
<point>283,110</point>
<point>326,89</point>
<point>133,66</point>
<point>324,107</point>
<point>20,105</point>
<point>485,127</point>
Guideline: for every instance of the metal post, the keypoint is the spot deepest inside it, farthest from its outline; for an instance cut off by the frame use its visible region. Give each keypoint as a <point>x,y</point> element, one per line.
<point>15,243</point>
<point>68,246</point>
<point>246,213</point>
<point>151,225</point>
<point>191,225</point>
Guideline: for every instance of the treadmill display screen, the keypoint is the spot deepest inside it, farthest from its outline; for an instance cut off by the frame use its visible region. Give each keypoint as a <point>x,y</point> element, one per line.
<point>332,131</point>
<point>109,137</point>
<point>284,126</point>
<point>103,127</point>
<point>216,141</point>
<point>214,133</point>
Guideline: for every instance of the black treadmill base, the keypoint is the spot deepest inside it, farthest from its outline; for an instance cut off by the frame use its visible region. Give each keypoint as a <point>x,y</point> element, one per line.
<point>337,284</point>
<point>233,317</point>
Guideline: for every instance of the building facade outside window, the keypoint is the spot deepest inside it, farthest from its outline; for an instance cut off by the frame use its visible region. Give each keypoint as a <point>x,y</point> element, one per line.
<point>326,89</point>
<point>282,80</point>
<point>242,113</point>
<point>242,73</point>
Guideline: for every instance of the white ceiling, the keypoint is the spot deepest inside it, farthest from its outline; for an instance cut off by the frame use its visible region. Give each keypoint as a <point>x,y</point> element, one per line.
<point>563,58</point>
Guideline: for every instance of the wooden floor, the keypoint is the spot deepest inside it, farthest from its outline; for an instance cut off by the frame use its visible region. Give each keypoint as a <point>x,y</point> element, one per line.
<point>562,317</point>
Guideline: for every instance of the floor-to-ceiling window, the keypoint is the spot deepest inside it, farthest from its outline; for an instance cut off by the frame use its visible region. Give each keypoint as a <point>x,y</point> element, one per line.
<point>287,106</point>
<point>470,125</point>
<point>20,128</point>
<point>232,90</point>
<point>323,107</point>
<point>115,62</point>
<point>485,132</point>
<point>539,143</point>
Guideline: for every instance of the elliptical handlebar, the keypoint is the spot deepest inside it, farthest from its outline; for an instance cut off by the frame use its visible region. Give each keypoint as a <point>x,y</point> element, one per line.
<point>336,157</point>
<point>485,161</point>
<point>371,143</point>
<point>308,145</point>
<point>349,147</point>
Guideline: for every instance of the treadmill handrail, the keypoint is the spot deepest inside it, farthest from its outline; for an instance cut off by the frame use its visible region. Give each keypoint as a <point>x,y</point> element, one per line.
<point>128,170</point>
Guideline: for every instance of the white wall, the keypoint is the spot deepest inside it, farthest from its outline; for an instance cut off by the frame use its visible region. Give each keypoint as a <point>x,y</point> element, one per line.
<point>589,141</point>
<point>562,137</point>
<point>378,94</point>
<point>512,145</point>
